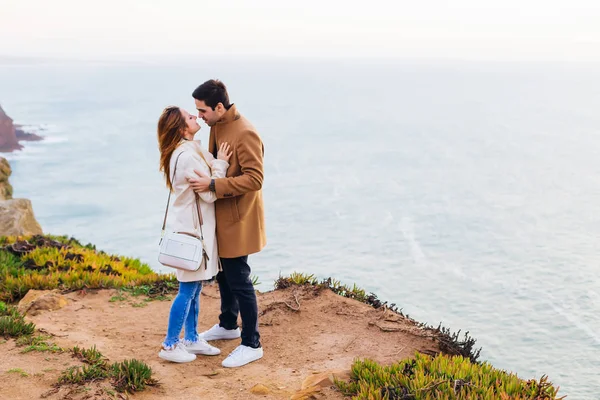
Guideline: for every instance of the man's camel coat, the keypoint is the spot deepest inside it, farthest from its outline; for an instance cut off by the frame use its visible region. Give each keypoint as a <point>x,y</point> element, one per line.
<point>239,208</point>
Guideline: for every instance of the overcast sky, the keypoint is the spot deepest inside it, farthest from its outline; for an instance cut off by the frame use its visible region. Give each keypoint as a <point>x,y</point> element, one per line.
<point>567,30</point>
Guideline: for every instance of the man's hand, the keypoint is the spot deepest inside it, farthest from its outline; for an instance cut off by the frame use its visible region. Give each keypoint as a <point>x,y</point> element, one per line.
<point>199,183</point>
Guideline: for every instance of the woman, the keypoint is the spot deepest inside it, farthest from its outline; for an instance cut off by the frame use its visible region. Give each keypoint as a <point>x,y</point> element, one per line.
<point>176,130</point>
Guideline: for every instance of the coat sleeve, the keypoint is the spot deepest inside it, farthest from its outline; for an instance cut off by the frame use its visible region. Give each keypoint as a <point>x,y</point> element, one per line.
<point>219,169</point>
<point>250,153</point>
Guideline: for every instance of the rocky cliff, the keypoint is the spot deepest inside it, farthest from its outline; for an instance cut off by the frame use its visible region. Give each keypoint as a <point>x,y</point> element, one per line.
<point>5,188</point>
<point>16,215</point>
<point>8,134</point>
<point>11,134</point>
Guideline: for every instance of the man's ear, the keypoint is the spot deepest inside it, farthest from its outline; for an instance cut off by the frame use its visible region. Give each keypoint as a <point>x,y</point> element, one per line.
<point>220,107</point>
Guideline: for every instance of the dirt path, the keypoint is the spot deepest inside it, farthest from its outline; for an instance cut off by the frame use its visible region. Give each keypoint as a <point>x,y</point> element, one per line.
<point>327,333</point>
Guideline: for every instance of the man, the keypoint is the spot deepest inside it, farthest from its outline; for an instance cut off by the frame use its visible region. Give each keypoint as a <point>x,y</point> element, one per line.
<point>240,218</point>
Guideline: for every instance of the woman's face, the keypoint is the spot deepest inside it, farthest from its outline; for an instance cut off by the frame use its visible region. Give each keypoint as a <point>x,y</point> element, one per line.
<point>191,122</point>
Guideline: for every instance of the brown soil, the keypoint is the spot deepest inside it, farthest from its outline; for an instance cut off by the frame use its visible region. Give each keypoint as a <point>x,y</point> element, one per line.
<point>327,333</point>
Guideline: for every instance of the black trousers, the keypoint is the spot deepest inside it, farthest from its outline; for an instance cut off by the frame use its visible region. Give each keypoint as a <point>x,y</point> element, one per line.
<point>238,297</point>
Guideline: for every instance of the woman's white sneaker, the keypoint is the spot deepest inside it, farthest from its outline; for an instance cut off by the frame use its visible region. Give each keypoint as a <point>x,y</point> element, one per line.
<point>242,355</point>
<point>220,333</point>
<point>177,354</point>
<point>201,347</point>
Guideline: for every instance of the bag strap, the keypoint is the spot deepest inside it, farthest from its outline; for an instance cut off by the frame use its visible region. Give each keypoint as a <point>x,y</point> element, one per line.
<point>200,219</point>
<point>205,256</point>
<point>169,198</point>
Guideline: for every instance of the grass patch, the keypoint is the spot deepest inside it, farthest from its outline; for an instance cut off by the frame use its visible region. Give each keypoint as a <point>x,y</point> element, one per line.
<point>89,356</point>
<point>442,377</point>
<point>7,310</point>
<point>15,327</point>
<point>157,291</point>
<point>159,298</point>
<point>296,278</point>
<point>126,376</point>
<point>143,290</point>
<point>96,367</point>
<point>59,262</point>
<point>82,374</point>
<point>150,293</point>
<point>38,343</point>
<point>132,376</point>
<point>9,262</point>
<point>449,342</point>
<point>12,323</point>
<point>118,297</point>
<point>17,371</point>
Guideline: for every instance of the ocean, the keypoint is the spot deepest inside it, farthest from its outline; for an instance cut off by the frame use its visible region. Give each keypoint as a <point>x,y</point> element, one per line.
<point>465,193</point>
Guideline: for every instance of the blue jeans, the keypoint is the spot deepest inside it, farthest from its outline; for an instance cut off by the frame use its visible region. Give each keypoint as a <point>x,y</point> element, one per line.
<point>184,314</point>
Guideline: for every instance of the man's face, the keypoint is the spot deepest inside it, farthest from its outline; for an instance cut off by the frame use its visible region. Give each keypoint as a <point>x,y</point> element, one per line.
<point>208,115</point>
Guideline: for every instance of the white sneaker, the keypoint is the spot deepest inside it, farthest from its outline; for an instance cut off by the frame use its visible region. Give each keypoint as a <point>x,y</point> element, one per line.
<point>201,347</point>
<point>217,333</point>
<point>177,354</point>
<point>242,355</point>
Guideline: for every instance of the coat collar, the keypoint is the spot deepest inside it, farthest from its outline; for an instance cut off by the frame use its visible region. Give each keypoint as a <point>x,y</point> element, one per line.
<point>190,143</point>
<point>230,115</point>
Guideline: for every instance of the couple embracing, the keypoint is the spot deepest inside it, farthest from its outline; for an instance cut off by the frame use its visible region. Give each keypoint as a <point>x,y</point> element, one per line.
<point>219,187</point>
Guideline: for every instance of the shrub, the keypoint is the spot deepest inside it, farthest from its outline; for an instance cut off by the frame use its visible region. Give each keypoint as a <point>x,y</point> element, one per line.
<point>442,377</point>
<point>38,343</point>
<point>90,356</point>
<point>132,376</point>
<point>12,323</point>
<point>59,262</point>
<point>82,374</point>
<point>127,376</point>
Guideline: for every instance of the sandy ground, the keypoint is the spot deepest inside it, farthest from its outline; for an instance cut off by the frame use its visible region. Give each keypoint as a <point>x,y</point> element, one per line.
<point>328,332</point>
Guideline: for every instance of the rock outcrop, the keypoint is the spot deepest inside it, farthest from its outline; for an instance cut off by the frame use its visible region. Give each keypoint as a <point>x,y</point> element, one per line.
<point>17,218</point>
<point>37,301</point>
<point>16,215</point>
<point>5,188</point>
<point>11,134</point>
<point>8,134</point>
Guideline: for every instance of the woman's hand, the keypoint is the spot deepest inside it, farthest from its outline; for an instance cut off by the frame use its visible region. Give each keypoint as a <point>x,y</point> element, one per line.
<point>224,153</point>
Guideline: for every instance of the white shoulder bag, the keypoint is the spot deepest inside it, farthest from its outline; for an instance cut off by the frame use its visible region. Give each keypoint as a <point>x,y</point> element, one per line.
<point>182,250</point>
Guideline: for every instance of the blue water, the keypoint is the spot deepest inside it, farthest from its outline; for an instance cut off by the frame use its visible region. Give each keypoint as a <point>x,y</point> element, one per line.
<point>464,193</point>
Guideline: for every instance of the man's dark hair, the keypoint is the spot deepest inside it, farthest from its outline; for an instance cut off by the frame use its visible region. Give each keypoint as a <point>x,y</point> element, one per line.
<point>212,92</point>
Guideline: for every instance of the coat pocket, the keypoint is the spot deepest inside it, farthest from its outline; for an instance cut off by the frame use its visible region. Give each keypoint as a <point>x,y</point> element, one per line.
<point>246,204</point>
<point>229,209</point>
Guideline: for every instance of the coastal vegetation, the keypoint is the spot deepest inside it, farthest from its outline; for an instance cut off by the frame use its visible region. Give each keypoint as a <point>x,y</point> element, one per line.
<point>63,263</point>
<point>441,377</point>
<point>59,262</point>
